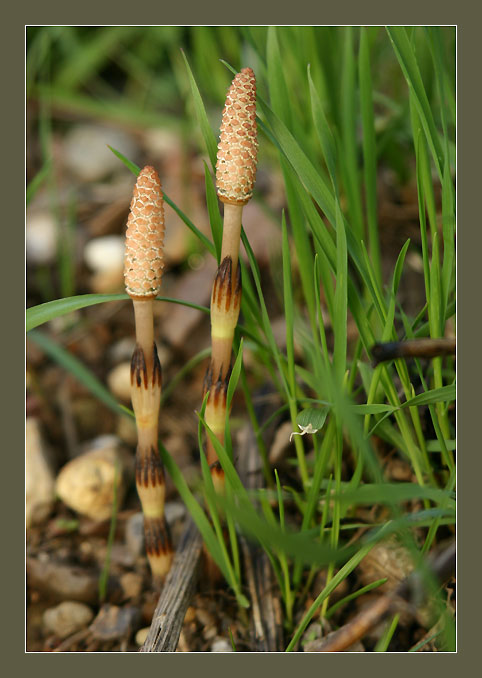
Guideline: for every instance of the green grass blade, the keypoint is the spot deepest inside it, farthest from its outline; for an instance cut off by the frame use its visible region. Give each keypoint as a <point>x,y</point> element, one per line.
<point>353,596</point>
<point>215,218</point>
<point>37,181</point>
<point>384,642</point>
<point>135,170</point>
<point>393,493</point>
<point>341,298</point>
<point>180,374</point>
<point>288,305</point>
<point>91,53</point>
<point>448,233</point>
<point>302,245</point>
<point>419,645</point>
<point>38,315</point>
<point>369,151</point>
<point>323,131</point>
<point>194,509</point>
<point>342,573</point>
<point>208,135</point>
<point>349,145</point>
<point>436,395</point>
<point>300,162</point>
<point>312,180</point>
<point>408,63</point>
<point>278,90</point>
<point>78,370</point>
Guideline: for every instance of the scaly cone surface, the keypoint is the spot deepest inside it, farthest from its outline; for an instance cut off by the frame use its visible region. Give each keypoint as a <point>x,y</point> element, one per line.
<point>238,143</point>
<point>144,253</point>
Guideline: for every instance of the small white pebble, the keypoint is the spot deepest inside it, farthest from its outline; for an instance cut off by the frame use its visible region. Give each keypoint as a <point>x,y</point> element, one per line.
<point>221,645</point>
<point>67,618</point>
<point>119,381</point>
<point>141,636</point>
<point>41,238</point>
<point>86,151</point>
<point>174,510</point>
<point>105,253</point>
<point>86,483</point>
<point>39,477</point>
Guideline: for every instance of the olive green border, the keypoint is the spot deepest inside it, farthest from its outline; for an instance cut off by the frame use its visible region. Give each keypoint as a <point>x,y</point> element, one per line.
<point>469,233</point>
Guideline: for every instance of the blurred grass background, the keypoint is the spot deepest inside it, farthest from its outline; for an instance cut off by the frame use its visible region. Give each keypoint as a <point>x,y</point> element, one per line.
<point>135,76</point>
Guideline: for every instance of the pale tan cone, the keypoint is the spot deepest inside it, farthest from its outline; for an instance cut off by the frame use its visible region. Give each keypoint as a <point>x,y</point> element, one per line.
<point>238,143</point>
<point>143,275</point>
<point>144,254</point>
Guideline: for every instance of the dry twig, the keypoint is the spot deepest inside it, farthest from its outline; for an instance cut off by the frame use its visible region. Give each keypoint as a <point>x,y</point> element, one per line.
<point>442,567</point>
<point>176,594</point>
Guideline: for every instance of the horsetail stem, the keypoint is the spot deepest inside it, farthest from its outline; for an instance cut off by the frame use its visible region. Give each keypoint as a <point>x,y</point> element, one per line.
<point>143,274</point>
<point>235,176</point>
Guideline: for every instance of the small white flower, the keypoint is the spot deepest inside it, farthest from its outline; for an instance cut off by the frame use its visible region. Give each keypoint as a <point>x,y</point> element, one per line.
<point>304,429</point>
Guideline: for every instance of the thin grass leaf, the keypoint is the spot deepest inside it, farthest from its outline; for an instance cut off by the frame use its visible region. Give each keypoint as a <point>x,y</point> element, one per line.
<point>397,273</point>
<point>231,638</point>
<point>384,642</point>
<point>302,245</point>
<point>212,503</point>
<point>419,149</point>
<point>373,409</point>
<point>313,494</point>
<point>340,310</point>
<point>205,241</point>
<point>342,573</point>
<point>323,131</point>
<point>208,135</point>
<point>181,373</point>
<point>288,304</point>
<point>408,63</point>
<point>215,218</point>
<point>353,596</point>
<point>421,644</point>
<point>115,109</point>
<point>233,382</point>
<point>194,509</point>
<point>300,162</point>
<point>349,145</point>
<point>369,151</point>
<point>135,170</point>
<point>266,324</point>
<point>436,395</point>
<point>90,54</point>
<point>278,90</point>
<point>38,315</point>
<point>78,370</point>
<point>448,231</point>
<point>311,417</point>
<point>37,181</point>
<point>394,493</point>
<point>290,543</point>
